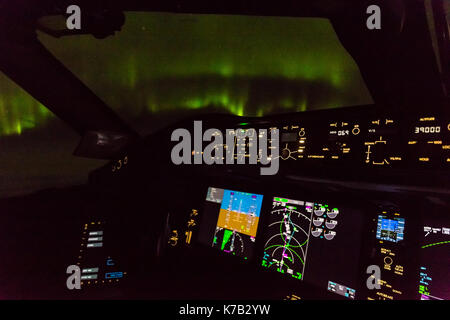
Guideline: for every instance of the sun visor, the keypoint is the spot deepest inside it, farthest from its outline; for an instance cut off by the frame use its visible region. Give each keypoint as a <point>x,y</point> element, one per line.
<point>103,144</point>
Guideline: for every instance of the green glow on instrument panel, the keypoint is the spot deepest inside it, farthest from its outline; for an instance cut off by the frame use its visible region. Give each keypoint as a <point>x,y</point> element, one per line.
<point>165,62</point>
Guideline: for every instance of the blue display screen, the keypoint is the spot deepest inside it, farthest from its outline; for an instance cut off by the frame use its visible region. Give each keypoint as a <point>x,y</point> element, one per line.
<point>242,202</point>
<point>390,229</point>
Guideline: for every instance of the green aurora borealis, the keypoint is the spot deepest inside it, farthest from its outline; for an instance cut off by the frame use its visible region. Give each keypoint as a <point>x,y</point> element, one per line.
<point>165,62</point>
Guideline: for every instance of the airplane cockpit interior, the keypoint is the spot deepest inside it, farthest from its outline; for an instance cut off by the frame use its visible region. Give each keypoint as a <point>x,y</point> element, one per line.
<point>191,150</point>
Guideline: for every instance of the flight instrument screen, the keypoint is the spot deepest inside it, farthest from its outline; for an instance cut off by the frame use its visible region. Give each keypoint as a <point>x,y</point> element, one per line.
<point>230,221</point>
<point>313,241</point>
<point>286,247</point>
<point>434,282</point>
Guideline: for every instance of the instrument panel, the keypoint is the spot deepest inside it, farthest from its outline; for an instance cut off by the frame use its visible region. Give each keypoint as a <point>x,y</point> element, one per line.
<point>330,246</point>
<point>309,239</point>
<point>361,140</point>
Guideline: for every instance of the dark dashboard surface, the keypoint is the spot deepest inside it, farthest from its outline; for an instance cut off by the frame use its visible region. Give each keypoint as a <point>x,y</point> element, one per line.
<point>356,190</point>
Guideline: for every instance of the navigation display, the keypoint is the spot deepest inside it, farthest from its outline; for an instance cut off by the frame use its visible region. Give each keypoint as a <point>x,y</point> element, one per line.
<point>230,221</point>
<point>316,242</point>
<point>434,283</point>
<point>286,248</point>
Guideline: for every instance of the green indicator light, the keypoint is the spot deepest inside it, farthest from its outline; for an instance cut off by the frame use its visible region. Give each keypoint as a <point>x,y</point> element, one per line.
<point>284,200</point>
<point>243,124</point>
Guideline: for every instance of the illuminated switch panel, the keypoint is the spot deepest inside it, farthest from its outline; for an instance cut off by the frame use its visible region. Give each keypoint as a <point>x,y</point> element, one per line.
<point>292,142</point>
<point>97,267</point>
<point>429,142</point>
<point>380,143</point>
<point>184,233</point>
<point>341,290</point>
<point>388,254</point>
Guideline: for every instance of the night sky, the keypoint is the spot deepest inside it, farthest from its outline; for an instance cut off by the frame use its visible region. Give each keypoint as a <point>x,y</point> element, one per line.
<point>161,66</point>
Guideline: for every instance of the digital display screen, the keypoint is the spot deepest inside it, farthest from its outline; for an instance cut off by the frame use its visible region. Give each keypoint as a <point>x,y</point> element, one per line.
<point>97,258</point>
<point>429,142</point>
<point>390,255</point>
<point>434,283</point>
<point>341,290</point>
<point>390,229</point>
<point>286,247</point>
<point>314,241</point>
<point>230,221</point>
